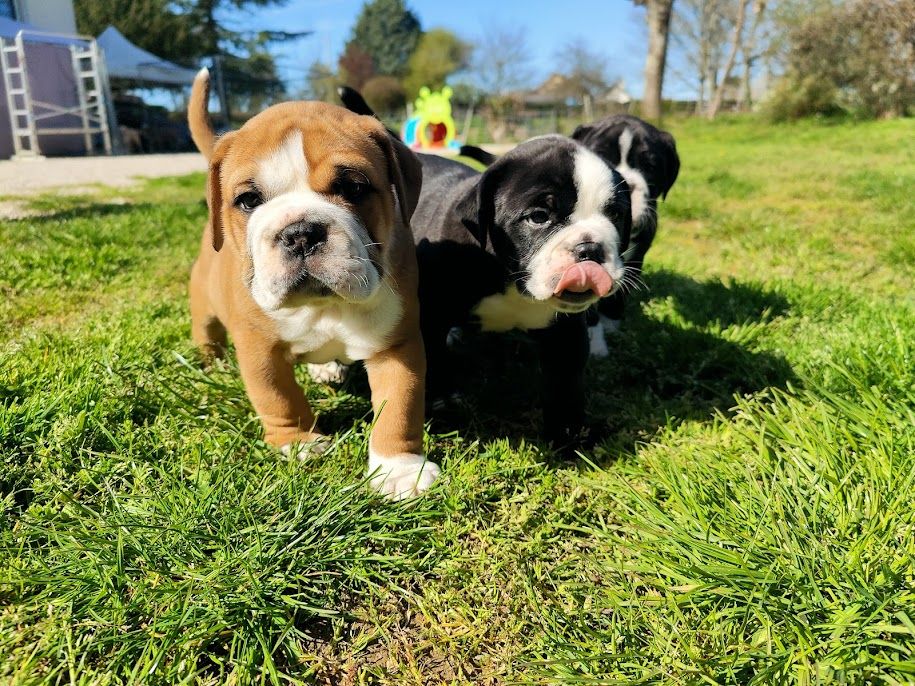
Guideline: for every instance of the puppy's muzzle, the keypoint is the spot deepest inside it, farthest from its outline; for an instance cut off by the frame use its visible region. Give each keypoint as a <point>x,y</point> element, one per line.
<point>301,239</point>
<point>588,251</point>
<point>299,244</point>
<point>585,280</point>
<point>569,289</point>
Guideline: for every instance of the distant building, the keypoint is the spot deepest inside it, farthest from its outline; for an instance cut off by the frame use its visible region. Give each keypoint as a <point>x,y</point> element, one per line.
<point>54,16</point>
<point>561,91</point>
<point>617,94</point>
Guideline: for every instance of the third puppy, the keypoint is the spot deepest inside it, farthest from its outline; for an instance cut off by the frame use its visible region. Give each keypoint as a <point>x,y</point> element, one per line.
<point>647,158</point>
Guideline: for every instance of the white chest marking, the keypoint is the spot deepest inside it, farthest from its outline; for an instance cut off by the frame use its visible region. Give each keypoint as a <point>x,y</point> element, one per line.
<point>340,331</point>
<point>512,310</point>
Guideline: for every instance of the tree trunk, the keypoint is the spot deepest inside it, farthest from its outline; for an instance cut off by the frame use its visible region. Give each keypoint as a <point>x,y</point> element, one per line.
<point>732,57</point>
<point>659,13</point>
<point>712,81</point>
<point>700,103</point>
<point>749,45</point>
<point>746,97</point>
<point>702,38</point>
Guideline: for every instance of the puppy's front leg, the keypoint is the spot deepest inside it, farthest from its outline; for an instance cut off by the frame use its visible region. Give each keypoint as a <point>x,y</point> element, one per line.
<point>563,348</point>
<point>396,461</point>
<point>278,399</point>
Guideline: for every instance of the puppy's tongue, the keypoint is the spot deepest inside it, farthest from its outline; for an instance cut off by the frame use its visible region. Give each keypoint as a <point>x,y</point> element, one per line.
<point>585,276</point>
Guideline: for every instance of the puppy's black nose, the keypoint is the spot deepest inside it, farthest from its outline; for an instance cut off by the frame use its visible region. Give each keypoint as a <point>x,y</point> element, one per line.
<point>588,250</point>
<point>303,238</point>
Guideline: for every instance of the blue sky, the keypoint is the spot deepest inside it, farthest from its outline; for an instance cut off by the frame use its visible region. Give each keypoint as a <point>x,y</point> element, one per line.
<point>615,28</point>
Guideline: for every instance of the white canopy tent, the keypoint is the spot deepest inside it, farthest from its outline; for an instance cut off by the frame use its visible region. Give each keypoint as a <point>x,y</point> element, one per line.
<point>54,96</point>
<point>128,61</point>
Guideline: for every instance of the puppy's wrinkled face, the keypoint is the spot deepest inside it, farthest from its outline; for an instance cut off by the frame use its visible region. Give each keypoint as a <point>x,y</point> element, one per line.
<point>306,200</point>
<point>560,215</point>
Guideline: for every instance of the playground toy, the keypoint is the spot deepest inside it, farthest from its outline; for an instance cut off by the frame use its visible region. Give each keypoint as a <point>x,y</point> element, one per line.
<point>431,125</point>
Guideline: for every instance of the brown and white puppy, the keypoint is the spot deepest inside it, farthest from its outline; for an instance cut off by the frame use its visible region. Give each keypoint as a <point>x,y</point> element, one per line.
<point>308,256</point>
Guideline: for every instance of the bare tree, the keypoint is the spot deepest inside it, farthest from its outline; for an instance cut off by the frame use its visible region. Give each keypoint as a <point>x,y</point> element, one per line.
<point>658,18</point>
<point>698,34</point>
<point>587,70</point>
<point>502,59</point>
<point>732,57</point>
<point>749,55</point>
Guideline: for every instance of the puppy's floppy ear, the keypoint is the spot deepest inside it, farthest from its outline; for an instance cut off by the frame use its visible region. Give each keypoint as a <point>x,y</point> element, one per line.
<point>581,132</point>
<point>214,191</point>
<point>671,166</point>
<point>477,209</point>
<point>214,203</point>
<point>602,138</point>
<point>404,171</point>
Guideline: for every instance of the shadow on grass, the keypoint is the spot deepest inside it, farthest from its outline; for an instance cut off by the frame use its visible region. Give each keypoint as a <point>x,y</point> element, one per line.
<point>685,366</point>
<point>66,209</point>
<point>706,302</point>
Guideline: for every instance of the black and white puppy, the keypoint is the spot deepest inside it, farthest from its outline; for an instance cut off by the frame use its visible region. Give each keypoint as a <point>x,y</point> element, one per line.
<point>529,244</point>
<point>647,158</point>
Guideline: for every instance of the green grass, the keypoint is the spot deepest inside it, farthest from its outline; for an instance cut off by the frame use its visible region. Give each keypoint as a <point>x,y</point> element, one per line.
<point>749,519</point>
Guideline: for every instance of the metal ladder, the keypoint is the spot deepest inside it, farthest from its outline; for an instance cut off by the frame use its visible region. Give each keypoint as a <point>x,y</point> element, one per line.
<point>26,112</point>
<point>18,97</point>
<point>90,88</point>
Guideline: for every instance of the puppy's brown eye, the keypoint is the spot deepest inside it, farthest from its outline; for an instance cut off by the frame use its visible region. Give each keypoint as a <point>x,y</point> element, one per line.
<point>538,216</point>
<point>353,186</point>
<point>248,201</point>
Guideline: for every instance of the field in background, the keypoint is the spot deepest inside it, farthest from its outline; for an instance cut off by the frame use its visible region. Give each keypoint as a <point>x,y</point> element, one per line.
<point>750,519</point>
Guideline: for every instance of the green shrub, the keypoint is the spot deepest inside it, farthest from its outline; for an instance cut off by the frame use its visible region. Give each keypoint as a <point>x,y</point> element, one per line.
<point>857,58</point>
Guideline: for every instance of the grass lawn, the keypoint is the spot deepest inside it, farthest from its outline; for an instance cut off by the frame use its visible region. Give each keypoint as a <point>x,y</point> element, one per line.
<point>750,519</point>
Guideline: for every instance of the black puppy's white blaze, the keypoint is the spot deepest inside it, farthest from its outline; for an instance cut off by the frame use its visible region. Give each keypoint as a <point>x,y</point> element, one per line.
<point>640,197</point>
<point>532,303</point>
<point>643,219</point>
<point>647,159</point>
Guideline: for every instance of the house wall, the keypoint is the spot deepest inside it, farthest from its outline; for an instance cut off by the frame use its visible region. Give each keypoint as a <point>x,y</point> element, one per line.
<point>55,16</point>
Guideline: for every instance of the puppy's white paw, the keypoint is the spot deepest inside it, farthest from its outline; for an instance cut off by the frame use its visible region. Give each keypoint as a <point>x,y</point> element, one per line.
<point>303,450</point>
<point>330,372</point>
<point>401,476</point>
<point>597,342</point>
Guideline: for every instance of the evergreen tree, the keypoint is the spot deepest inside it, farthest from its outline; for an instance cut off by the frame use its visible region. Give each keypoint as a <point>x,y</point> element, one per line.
<point>151,24</point>
<point>389,33</point>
